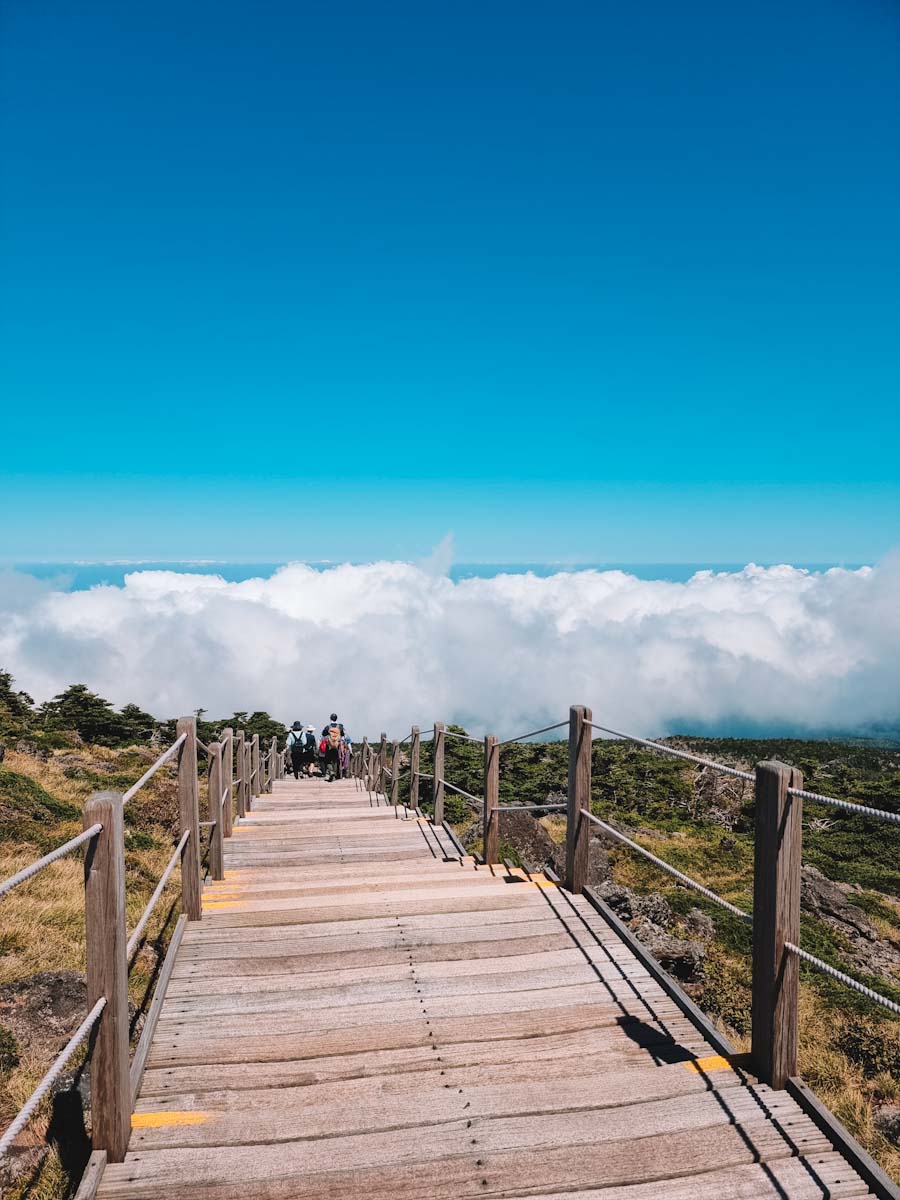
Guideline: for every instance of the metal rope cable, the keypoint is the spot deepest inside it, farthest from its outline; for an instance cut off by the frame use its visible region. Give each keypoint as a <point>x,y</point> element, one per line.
<point>50,1078</point>
<point>704,762</point>
<point>26,873</point>
<point>151,903</point>
<point>663,865</point>
<point>530,807</point>
<point>203,746</point>
<point>463,737</point>
<point>849,982</point>
<point>862,810</point>
<point>520,737</point>
<point>462,792</point>
<point>151,771</point>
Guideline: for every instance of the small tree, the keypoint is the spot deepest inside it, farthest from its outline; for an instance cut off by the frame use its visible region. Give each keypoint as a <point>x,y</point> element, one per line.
<point>89,715</point>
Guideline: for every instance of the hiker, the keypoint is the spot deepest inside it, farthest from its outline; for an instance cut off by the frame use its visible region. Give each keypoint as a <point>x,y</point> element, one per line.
<point>332,737</point>
<point>296,740</point>
<point>309,749</point>
<point>345,751</point>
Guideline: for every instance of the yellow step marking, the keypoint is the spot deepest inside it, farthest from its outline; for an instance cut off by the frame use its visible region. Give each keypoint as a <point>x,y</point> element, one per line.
<point>220,903</point>
<point>712,1062</point>
<point>157,1120</point>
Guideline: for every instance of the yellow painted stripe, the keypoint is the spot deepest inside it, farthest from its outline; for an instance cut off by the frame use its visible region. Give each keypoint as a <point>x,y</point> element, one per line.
<point>712,1062</point>
<point>157,1120</point>
<point>220,903</point>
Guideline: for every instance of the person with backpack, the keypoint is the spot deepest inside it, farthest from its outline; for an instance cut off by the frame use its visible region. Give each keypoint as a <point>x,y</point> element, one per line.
<point>296,741</point>
<point>332,737</point>
<point>310,754</point>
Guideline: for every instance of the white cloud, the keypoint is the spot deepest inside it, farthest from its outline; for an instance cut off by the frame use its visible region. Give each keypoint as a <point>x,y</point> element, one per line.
<point>392,643</point>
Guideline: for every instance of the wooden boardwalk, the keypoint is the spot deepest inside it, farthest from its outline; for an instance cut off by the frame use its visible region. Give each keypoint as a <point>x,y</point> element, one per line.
<point>361,1012</point>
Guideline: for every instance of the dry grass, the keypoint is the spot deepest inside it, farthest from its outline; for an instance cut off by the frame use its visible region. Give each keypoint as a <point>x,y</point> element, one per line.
<point>42,922</point>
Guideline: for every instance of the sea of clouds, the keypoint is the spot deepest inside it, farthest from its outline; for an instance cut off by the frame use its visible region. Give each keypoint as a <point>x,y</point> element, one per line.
<point>776,649</point>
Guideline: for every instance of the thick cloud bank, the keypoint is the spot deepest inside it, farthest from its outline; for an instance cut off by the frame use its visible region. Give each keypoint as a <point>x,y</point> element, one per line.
<point>390,644</point>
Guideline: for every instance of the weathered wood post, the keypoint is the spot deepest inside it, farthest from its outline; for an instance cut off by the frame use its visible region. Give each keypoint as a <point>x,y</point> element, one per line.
<point>256,788</point>
<point>437,817</point>
<point>216,812</point>
<point>776,920</point>
<point>414,768</point>
<point>395,773</point>
<point>365,773</point>
<point>273,764</point>
<point>382,763</point>
<point>106,937</point>
<point>228,780</point>
<point>579,797</point>
<point>189,817</point>
<point>248,773</point>
<point>491,837</point>
<point>239,763</point>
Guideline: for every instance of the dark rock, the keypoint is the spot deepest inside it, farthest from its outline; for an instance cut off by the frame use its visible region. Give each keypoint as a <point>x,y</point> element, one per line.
<point>700,924</point>
<point>531,841</point>
<point>887,1122</point>
<point>834,904</point>
<point>42,1010</point>
<point>2,752</point>
<point>681,958</point>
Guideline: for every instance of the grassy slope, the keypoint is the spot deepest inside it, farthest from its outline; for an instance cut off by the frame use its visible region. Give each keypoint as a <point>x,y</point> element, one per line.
<point>42,922</point>
<point>702,824</point>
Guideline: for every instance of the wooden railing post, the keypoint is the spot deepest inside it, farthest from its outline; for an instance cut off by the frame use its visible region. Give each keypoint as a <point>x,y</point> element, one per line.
<point>437,817</point>
<point>414,768</point>
<point>491,838</point>
<point>227,781</point>
<point>256,788</point>
<point>365,774</point>
<point>248,774</point>
<point>107,974</point>
<point>382,761</point>
<point>216,812</point>
<point>239,763</point>
<point>273,763</point>
<point>776,920</point>
<point>189,816</point>
<point>579,797</point>
<point>395,773</point>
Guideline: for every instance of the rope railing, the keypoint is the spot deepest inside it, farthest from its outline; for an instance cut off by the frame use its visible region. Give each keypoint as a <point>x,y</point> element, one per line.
<point>462,792</point>
<point>157,892</point>
<point>531,807</point>
<point>520,737</point>
<point>664,866</point>
<point>705,762</point>
<point>151,771</point>
<point>59,1065</point>
<point>66,848</point>
<point>825,968</point>
<point>463,737</point>
<point>860,810</point>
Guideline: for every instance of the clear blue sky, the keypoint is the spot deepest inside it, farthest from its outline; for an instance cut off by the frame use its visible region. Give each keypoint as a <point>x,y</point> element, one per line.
<point>573,280</point>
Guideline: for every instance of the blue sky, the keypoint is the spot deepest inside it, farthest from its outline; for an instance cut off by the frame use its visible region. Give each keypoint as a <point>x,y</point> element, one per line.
<point>578,281</point>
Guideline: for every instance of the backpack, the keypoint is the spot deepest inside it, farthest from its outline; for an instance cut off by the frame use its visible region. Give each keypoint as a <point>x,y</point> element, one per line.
<point>334,736</point>
<point>323,746</point>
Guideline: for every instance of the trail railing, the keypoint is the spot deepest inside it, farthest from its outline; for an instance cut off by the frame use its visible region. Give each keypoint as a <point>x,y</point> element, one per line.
<point>778,832</point>
<point>110,950</point>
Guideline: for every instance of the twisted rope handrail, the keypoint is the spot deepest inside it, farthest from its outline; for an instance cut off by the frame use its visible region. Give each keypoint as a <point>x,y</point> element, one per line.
<point>453,788</point>
<point>520,737</point>
<point>59,1064</point>
<point>705,762</point>
<point>66,848</point>
<point>663,865</point>
<point>151,771</point>
<point>157,892</point>
<point>825,968</point>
